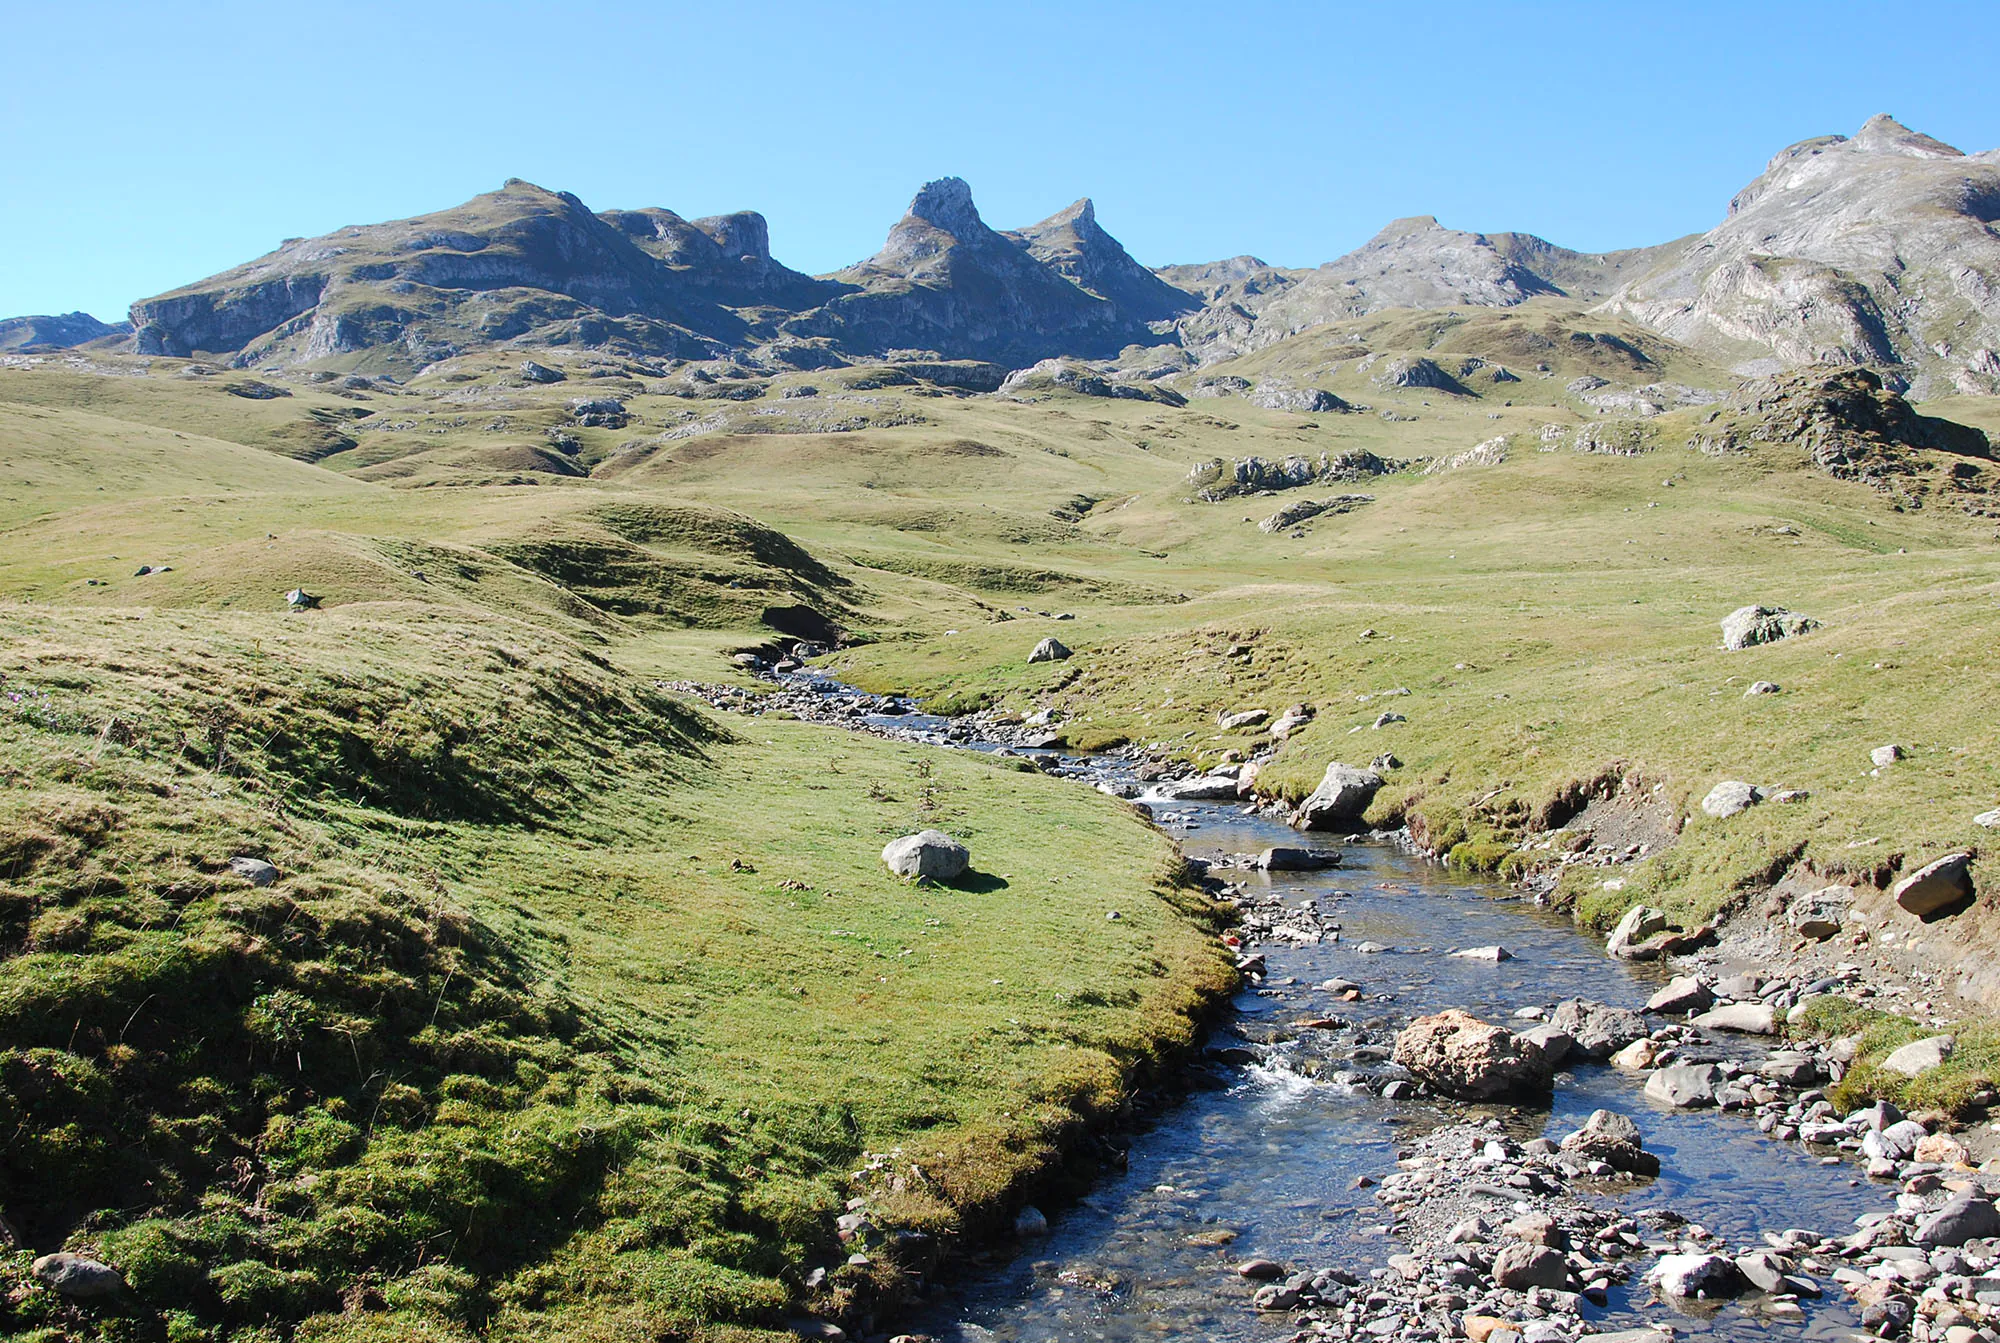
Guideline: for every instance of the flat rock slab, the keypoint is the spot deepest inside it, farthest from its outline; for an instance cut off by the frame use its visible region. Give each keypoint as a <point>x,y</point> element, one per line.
<point>1743,1018</point>
<point>1935,886</point>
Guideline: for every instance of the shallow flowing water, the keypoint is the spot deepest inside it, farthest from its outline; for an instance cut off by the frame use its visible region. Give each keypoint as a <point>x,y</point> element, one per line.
<point>1273,1155</point>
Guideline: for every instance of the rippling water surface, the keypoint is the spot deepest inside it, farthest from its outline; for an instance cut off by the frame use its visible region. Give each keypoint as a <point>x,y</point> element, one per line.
<point>1274,1155</point>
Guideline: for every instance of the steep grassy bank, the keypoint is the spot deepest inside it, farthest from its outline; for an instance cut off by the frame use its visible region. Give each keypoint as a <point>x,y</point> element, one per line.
<point>570,1012</point>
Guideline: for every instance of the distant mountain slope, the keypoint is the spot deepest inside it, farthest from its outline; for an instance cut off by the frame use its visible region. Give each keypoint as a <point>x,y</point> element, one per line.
<point>518,262</point>
<point>56,332</point>
<point>1881,249</point>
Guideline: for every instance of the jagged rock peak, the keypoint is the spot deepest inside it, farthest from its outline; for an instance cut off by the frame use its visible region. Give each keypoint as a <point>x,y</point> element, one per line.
<point>1883,134</point>
<point>947,204</point>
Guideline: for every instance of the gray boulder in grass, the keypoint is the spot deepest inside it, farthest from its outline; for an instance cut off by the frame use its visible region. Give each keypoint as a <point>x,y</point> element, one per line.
<point>928,855</point>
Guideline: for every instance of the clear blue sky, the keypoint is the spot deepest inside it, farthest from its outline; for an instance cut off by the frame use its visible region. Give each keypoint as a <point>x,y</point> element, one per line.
<point>148,145</point>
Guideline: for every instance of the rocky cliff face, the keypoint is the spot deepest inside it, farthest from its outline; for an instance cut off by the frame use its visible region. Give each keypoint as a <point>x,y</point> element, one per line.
<point>1075,246</point>
<point>1879,250</point>
<point>945,282</point>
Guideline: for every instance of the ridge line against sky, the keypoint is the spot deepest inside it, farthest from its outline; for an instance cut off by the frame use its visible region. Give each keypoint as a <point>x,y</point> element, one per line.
<point>150,146</point>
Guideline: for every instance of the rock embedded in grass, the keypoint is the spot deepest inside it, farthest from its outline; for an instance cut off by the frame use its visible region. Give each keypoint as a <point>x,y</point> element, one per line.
<point>73,1275</point>
<point>253,870</point>
<point>1919,1056</point>
<point>1748,626</point>
<point>1731,797</point>
<point>1050,649</point>
<point>1884,756</point>
<point>928,855</point>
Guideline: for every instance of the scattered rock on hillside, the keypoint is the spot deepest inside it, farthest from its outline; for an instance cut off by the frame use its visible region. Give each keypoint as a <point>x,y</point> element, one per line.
<point>1417,372</point>
<point>541,373</point>
<point>1070,375</point>
<point>1748,626</point>
<point>1884,756</point>
<point>1990,820</point>
<point>1298,715</point>
<point>1934,886</point>
<point>1919,1056</point>
<point>301,600</point>
<point>1761,688</point>
<point>75,1276</point>
<point>1731,797</point>
<point>928,855</point>
<point>1459,1055</point>
<point>1310,400</point>
<point>1229,722</point>
<point>598,412</point>
<point>1304,510</point>
<point>1343,794</point>
<point>1050,649</point>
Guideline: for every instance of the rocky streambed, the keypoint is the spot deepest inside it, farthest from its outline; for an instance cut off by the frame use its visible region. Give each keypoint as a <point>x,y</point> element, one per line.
<point>1664,1162</point>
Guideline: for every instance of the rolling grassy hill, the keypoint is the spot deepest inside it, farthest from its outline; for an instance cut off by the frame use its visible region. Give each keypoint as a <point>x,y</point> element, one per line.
<point>574,1011</point>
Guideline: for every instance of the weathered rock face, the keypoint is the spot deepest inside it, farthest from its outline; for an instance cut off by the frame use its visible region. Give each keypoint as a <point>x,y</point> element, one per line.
<point>1748,626</point>
<point>1071,375</point>
<point>1342,796</point>
<point>945,281</point>
<point>928,855</point>
<point>1412,263</point>
<point>1216,479</point>
<point>1459,1055</point>
<point>1934,886</point>
<point>1417,373</point>
<point>1848,423</point>
<point>1305,510</point>
<point>1073,244</point>
<point>1845,251</point>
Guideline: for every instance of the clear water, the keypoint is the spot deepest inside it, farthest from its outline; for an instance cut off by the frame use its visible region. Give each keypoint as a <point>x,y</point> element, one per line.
<point>1274,1155</point>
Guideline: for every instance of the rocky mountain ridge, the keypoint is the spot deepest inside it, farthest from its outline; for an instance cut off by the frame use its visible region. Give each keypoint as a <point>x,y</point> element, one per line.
<point>1881,250</point>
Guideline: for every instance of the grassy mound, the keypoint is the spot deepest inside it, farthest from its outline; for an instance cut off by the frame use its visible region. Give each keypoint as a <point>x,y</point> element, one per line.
<point>569,1013</point>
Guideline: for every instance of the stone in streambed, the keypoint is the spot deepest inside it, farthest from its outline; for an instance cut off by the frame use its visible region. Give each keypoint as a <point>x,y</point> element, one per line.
<point>1639,923</point>
<point>1682,994</point>
<point>1685,1086</point>
<point>1459,1055</point>
<point>1342,797</point>
<point>1519,1266</point>
<point>1598,1029</point>
<point>1687,1276</point>
<point>1743,1018</point>
<point>1613,1139</point>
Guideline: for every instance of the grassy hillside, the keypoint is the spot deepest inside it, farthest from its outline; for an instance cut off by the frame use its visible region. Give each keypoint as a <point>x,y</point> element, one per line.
<point>574,1012</point>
